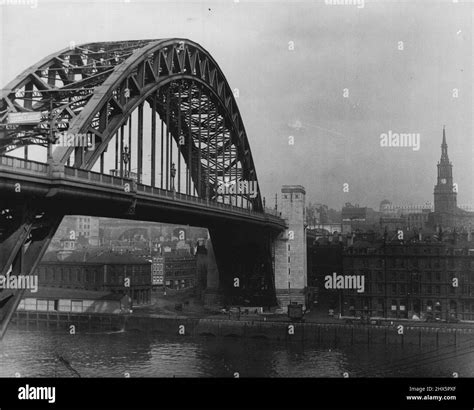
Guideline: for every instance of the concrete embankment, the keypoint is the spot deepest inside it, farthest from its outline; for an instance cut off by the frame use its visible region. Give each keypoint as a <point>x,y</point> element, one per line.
<point>321,334</point>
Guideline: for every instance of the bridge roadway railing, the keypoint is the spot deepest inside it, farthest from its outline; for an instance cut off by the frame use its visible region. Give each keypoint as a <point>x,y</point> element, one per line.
<point>71,173</point>
<point>24,165</point>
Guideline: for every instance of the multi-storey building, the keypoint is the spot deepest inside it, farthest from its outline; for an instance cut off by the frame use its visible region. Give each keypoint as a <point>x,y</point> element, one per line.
<point>88,227</point>
<point>157,266</point>
<point>179,270</point>
<point>107,271</point>
<point>411,279</point>
<point>355,218</point>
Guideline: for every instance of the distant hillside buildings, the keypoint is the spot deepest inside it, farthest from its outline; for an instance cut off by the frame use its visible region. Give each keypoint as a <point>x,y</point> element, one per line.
<point>101,265</point>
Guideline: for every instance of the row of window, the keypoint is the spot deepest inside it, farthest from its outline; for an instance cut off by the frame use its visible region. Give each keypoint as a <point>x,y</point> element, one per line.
<point>181,273</point>
<point>90,277</point>
<point>403,303</point>
<point>410,262</point>
<point>179,284</point>
<point>58,305</point>
<point>401,276</point>
<point>416,289</point>
<point>411,250</point>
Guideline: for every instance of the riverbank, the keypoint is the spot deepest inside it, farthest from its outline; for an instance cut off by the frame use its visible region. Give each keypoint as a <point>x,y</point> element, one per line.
<point>333,334</point>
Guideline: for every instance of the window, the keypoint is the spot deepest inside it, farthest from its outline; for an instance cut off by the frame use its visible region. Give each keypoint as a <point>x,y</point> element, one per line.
<point>30,304</point>
<point>53,305</point>
<point>64,305</point>
<point>42,304</point>
<point>76,305</point>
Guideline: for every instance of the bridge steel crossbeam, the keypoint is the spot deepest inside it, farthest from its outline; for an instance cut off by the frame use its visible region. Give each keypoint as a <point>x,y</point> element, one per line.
<point>187,146</point>
<point>51,82</point>
<point>20,253</point>
<point>12,244</point>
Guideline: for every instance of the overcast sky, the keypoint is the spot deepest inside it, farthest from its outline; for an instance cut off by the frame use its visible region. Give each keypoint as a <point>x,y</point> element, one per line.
<point>391,86</point>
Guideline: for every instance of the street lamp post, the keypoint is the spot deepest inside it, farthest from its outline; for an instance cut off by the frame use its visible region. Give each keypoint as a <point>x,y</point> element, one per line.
<point>173,174</point>
<point>125,158</point>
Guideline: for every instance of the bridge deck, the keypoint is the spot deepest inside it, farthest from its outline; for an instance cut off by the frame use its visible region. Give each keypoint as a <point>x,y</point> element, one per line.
<point>54,174</point>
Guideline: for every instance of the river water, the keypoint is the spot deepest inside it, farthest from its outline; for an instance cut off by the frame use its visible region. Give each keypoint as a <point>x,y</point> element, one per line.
<point>35,353</point>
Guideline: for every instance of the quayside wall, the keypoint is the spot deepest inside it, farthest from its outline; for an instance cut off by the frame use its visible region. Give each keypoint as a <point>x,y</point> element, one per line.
<point>317,333</point>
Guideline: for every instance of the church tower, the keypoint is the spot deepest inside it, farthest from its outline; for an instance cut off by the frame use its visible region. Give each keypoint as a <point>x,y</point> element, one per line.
<point>444,192</point>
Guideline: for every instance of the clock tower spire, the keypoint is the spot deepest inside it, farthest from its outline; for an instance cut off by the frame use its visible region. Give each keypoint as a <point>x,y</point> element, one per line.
<point>444,192</point>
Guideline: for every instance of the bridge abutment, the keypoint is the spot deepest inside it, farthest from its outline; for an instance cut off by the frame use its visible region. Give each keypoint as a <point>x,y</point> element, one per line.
<point>290,249</point>
<point>212,295</point>
<point>243,273</point>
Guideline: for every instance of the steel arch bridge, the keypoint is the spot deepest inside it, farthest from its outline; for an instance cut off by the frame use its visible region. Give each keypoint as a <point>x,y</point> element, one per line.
<point>95,89</point>
<point>145,129</point>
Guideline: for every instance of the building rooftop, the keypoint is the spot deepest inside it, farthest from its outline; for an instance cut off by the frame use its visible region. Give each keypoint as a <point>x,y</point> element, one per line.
<point>97,257</point>
<point>63,293</point>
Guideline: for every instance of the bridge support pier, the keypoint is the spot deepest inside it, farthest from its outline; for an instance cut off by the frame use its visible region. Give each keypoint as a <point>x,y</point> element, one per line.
<point>243,274</point>
<point>211,294</point>
<point>290,249</point>
<point>23,242</point>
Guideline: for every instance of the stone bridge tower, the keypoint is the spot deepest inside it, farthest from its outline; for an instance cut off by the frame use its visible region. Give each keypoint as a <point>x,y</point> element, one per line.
<point>290,249</point>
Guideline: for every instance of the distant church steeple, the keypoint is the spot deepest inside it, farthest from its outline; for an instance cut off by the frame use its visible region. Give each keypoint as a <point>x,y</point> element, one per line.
<point>444,148</point>
<point>444,193</point>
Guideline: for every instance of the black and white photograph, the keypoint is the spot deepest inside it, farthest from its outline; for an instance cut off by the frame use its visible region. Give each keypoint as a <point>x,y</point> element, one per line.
<point>272,194</point>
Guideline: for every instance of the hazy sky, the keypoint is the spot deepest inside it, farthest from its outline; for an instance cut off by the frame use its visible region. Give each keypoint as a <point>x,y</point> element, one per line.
<point>391,86</point>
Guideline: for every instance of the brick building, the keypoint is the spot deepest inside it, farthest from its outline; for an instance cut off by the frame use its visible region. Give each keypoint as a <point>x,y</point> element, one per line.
<point>403,279</point>
<point>106,271</point>
<point>179,270</point>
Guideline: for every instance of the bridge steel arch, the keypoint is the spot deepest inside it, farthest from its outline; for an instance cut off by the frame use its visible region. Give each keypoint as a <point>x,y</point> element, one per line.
<point>94,88</point>
<point>97,89</point>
